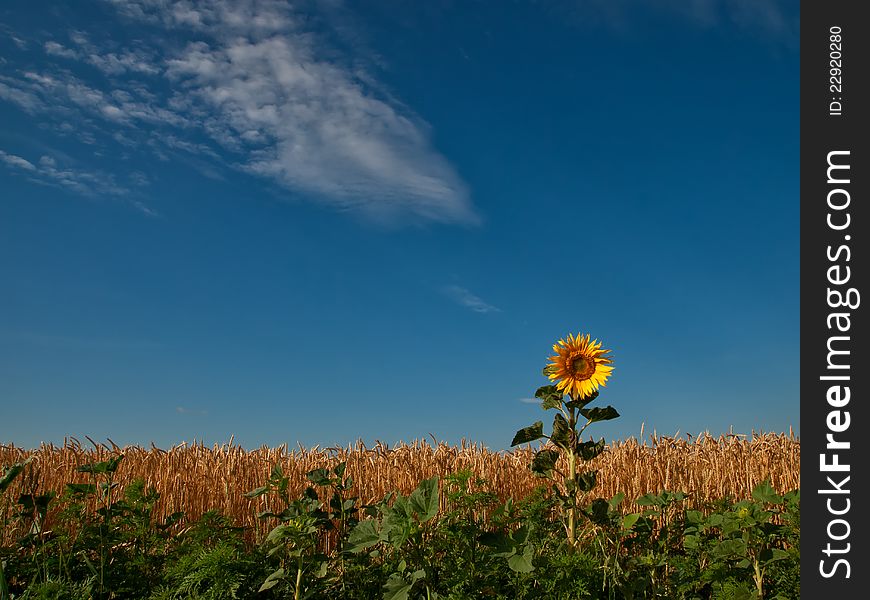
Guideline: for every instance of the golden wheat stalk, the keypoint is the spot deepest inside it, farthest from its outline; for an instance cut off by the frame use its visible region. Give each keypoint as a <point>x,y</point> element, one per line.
<point>194,478</point>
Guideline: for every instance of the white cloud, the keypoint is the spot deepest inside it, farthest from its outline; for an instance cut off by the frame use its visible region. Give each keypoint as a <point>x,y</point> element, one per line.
<point>55,49</point>
<point>17,161</point>
<point>280,102</point>
<point>465,298</point>
<point>311,126</point>
<point>86,183</point>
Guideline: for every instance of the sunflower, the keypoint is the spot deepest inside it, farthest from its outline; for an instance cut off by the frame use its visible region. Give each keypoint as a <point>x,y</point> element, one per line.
<point>580,365</point>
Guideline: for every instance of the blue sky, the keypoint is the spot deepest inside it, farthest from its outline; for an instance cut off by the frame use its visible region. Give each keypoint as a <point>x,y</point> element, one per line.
<point>328,221</point>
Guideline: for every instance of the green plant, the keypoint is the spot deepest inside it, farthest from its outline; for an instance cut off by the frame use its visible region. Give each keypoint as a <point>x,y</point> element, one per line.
<point>580,366</point>
<point>402,527</point>
<point>742,538</point>
<point>9,474</point>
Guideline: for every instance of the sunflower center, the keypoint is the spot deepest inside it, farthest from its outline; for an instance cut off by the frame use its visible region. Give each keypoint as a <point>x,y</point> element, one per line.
<point>583,367</point>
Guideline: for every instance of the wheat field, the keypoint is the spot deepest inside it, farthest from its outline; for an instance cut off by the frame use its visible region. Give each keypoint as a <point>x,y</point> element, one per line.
<point>195,478</point>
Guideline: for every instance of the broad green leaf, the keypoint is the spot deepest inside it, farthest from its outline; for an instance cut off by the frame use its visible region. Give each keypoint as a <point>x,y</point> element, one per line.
<point>256,492</point>
<point>629,520</point>
<point>533,432</point>
<point>694,517</point>
<point>520,535</point>
<point>364,535</point>
<point>589,450</point>
<point>764,492</point>
<point>397,588</point>
<point>769,555</point>
<point>617,499</point>
<point>500,542</point>
<point>106,466</point>
<point>649,499</point>
<point>730,548</point>
<point>599,414</point>
<point>544,461</point>
<point>561,435</point>
<point>581,402</point>
<point>550,397</point>
<point>82,488</point>
<point>272,580</point>
<point>586,481</point>
<point>599,512</point>
<point>522,563</point>
<point>424,500</point>
<point>319,477</point>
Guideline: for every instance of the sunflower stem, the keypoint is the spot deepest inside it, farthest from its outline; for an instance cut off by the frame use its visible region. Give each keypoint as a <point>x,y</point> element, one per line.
<point>572,472</point>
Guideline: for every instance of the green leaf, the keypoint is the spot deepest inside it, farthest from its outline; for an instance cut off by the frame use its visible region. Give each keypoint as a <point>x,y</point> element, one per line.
<point>548,370</point>
<point>256,492</point>
<point>397,588</point>
<point>272,580</point>
<point>769,555</point>
<point>581,402</point>
<point>424,500</point>
<point>616,500</point>
<point>319,477</point>
<point>589,450</point>
<point>499,541</point>
<point>107,466</point>
<point>522,563</point>
<point>586,481</point>
<point>599,512</point>
<point>764,492</point>
<point>730,548</point>
<point>629,520</point>
<point>544,461</point>
<point>364,535</point>
<point>82,488</point>
<point>550,397</point>
<point>533,432</point>
<point>599,414</point>
<point>561,432</point>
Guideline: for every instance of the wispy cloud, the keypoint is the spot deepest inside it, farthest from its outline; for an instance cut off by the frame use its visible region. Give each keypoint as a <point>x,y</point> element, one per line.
<point>530,401</point>
<point>465,298</point>
<point>47,171</point>
<point>257,91</point>
<point>17,161</point>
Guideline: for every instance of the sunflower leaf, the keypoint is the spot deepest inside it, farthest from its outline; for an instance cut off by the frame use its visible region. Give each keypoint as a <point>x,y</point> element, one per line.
<point>544,462</point>
<point>589,450</point>
<point>581,402</point>
<point>424,499</point>
<point>550,397</point>
<point>585,481</point>
<point>561,435</point>
<point>533,432</point>
<point>599,414</point>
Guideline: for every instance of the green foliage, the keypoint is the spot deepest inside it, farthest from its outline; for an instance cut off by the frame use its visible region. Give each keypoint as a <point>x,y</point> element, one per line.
<point>449,539</point>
